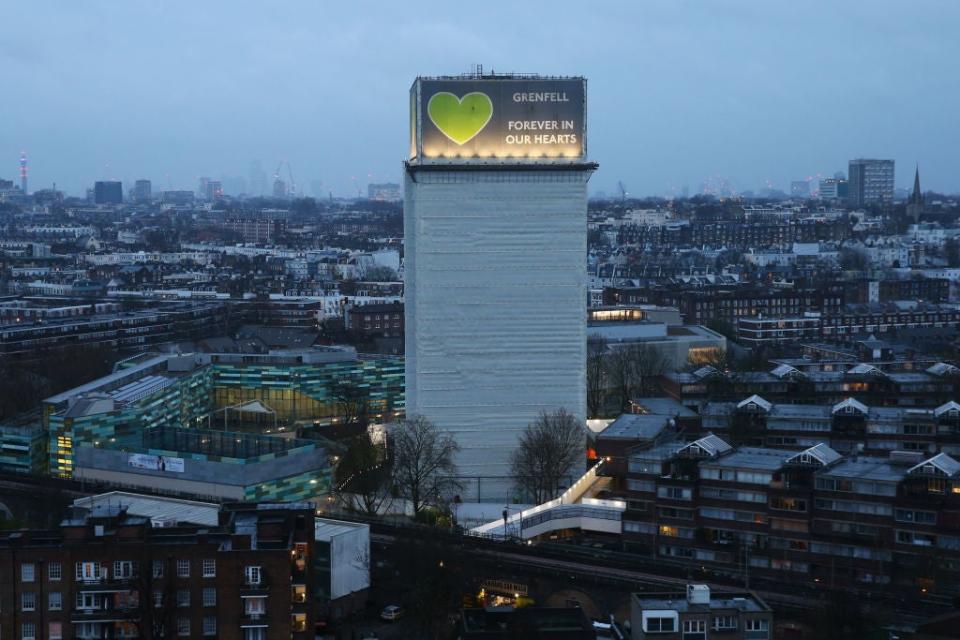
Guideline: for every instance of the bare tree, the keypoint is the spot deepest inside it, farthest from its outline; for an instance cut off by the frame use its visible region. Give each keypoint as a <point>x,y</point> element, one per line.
<point>362,477</point>
<point>632,369</point>
<point>352,399</point>
<point>596,375</point>
<point>548,450</point>
<point>423,467</point>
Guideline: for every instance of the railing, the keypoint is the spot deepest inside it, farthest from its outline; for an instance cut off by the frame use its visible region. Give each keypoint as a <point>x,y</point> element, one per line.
<point>570,504</point>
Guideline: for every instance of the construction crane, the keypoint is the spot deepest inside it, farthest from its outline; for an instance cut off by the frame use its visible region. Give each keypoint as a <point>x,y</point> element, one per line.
<point>292,186</point>
<point>623,190</point>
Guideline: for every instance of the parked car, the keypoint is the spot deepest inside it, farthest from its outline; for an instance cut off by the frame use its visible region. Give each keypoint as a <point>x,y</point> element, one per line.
<point>391,612</point>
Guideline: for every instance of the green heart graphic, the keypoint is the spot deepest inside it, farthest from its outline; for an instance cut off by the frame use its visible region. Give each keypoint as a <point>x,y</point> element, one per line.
<point>460,119</point>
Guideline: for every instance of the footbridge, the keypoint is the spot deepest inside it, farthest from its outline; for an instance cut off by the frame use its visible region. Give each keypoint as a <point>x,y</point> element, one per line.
<point>574,509</point>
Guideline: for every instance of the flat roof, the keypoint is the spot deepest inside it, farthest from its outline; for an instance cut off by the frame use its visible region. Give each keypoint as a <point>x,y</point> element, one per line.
<point>155,507</point>
<point>867,468</point>
<point>636,426</point>
<point>751,458</point>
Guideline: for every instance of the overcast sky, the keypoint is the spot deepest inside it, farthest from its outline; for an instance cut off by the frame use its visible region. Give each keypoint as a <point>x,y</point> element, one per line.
<point>755,92</point>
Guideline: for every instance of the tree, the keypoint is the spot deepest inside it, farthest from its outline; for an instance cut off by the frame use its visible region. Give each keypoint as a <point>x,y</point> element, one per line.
<point>353,400</point>
<point>380,273</point>
<point>548,450</point>
<point>423,462</point>
<point>596,375</point>
<point>852,260</point>
<point>362,477</point>
<point>632,369</point>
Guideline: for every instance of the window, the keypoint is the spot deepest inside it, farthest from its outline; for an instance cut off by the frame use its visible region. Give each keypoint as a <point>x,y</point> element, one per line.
<point>88,571</point>
<point>251,575</point>
<point>919,517</point>
<point>123,569</point>
<point>255,606</point>
<point>674,493</point>
<point>55,631</point>
<point>760,628</point>
<point>158,568</point>
<point>724,623</point>
<point>209,625</point>
<point>209,568</point>
<point>28,601</point>
<point>183,568</point>
<point>788,504</point>
<point>54,572</point>
<point>28,631</point>
<point>183,597</point>
<point>209,597</point>
<point>255,633</point>
<point>640,485</point>
<point>298,622</point>
<point>157,599</point>
<point>695,628</point>
<point>183,626</point>
<point>28,572</point>
<point>660,625</point>
<point>299,593</point>
<point>54,601</point>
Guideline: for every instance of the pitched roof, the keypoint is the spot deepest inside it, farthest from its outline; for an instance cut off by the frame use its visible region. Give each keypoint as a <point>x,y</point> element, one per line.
<point>757,400</point>
<point>785,370</point>
<point>864,369</point>
<point>941,462</point>
<point>710,444</point>
<point>942,409</point>
<point>943,369</point>
<point>819,452</point>
<point>850,403</point>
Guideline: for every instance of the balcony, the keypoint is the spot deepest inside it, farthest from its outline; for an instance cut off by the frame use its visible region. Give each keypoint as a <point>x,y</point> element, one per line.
<point>254,620</point>
<point>125,614</point>
<point>261,588</point>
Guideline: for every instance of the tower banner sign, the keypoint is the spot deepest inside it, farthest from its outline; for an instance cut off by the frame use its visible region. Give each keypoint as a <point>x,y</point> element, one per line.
<point>498,118</point>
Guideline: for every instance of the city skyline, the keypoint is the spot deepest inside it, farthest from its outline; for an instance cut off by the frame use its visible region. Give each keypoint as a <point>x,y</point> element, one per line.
<point>267,86</point>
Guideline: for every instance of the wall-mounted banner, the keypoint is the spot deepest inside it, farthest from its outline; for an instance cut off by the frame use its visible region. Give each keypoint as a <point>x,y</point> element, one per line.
<point>498,118</point>
<point>155,463</point>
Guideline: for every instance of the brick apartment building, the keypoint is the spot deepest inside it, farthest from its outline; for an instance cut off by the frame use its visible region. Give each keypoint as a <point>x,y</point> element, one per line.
<point>106,574</point>
<point>808,516</point>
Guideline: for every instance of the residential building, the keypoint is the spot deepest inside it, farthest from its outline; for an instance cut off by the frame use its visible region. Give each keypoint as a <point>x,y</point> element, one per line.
<point>142,191</point>
<point>377,320</point>
<point>870,182</point>
<point>495,308</point>
<point>107,192</point>
<point>806,516</point>
<point>107,573</point>
<point>700,613</point>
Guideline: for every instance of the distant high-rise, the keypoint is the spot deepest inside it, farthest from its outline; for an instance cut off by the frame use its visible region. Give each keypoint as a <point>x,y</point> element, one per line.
<point>870,182</point>
<point>258,179</point>
<point>108,192</point>
<point>384,192</point>
<point>23,172</point>
<point>142,191</point>
<point>834,188</point>
<point>279,188</point>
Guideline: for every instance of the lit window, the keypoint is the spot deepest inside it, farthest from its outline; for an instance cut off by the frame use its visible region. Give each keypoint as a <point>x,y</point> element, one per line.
<point>183,568</point>
<point>252,575</point>
<point>54,601</point>
<point>28,601</point>
<point>55,631</point>
<point>54,571</point>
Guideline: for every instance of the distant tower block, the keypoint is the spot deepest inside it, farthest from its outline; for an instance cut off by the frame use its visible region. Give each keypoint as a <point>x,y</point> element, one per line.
<point>495,218</point>
<point>23,172</point>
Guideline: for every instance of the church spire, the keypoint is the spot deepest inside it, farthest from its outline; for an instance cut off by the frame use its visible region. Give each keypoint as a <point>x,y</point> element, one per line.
<point>917,197</point>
